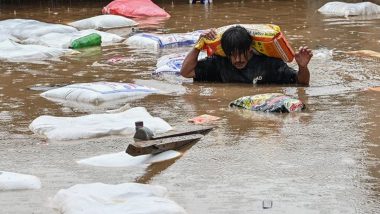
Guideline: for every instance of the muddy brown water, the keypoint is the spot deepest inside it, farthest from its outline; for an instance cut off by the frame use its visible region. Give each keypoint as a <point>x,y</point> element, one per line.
<point>324,160</point>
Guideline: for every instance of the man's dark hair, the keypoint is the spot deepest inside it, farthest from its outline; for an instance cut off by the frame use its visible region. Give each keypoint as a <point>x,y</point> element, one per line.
<point>236,40</point>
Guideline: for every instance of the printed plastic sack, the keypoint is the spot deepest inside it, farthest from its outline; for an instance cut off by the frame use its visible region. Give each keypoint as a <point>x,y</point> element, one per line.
<point>267,39</point>
<point>103,22</point>
<point>98,92</point>
<point>14,52</point>
<point>349,9</point>
<point>64,40</point>
<point>271,102</point>
<point>157,41</point>
<point>134,8</point>
<point>172,63</point>
<point>25,28</point>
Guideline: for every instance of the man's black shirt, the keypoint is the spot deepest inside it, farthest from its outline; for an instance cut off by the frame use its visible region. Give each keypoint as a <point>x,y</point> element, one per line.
<point>259,69</point>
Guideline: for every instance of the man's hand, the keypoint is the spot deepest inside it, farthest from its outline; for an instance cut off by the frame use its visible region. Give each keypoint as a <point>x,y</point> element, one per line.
<point>207,34</point>
<point>303,56</point>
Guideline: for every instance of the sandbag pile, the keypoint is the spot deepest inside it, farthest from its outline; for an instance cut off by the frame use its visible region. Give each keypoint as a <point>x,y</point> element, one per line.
<point>15,52</point>
<point>65,40</point>
<point>349,9</point>
<point>52,40</point>
<point>134,8</point>
<point>270,102</point>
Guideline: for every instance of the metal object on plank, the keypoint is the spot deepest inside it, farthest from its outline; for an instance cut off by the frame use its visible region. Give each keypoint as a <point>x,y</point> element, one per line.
<point>191,130</point>
<point>161,144</point>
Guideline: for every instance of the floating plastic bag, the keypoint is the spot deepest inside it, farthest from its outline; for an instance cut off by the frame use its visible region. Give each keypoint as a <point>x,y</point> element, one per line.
<point>98,92</point>
<point>16,181</point>
<point>172,63</point>
<point>134,8</point>
<point>157,41</point>
<point>103,22</point>
<point>122,159</point>
<point>267,39</point>
<point>25,28</point>
<point>12,51</point>
<point>99,198</point>
<point>349,9</point>
<point>204,118</point>
<point>64,40</point>
<point>271,102</point>
<point>96,125</point>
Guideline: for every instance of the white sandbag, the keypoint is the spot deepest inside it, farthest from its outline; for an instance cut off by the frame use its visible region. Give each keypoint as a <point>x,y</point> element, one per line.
<point>64,40</point>
<point>24,28</point>
<point>122,159</point>
<point>172,63</point>
<point>96,125</point>
<point>99,198</point>
<point>98,92</point>
<point>16,181</point>
<point>4,35</point>
<point>103,22</point>
<point>157,41</point>
<point>349,9</point>
<point>12,51</point>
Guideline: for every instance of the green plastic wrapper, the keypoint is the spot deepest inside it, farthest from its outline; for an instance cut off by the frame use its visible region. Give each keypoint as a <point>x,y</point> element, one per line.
<point>90,40</point>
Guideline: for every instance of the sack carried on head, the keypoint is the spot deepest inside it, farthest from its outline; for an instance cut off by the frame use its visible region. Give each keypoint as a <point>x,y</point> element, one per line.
<point>267,39</point>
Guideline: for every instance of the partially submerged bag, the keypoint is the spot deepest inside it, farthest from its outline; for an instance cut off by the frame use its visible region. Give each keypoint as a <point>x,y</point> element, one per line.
<point>158,41</point>
<point>349,9</point>
<point>270,102</point>
<point>14,52</point>
<point>27,28</point>
<point>103,22</point>
<point>172,63</point>
<point>267,39</point>
<point>134,8</point>
<point>98,92</point>
<point>64,40</point>
<point>96,125</point>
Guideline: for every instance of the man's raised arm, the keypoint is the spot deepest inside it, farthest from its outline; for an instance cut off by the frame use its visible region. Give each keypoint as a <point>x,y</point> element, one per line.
<point>191,60</point>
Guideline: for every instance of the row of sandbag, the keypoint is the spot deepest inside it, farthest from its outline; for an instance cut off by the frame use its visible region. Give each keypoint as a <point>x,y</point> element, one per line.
<point>25,39</point>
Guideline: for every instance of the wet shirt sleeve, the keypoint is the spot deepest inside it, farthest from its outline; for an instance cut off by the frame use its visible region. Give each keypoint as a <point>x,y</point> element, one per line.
<point>279,72</point>
<point>207,71</point>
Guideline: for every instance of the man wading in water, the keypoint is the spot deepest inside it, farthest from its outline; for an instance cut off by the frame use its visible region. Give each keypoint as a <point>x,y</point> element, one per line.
<point>241,65</point>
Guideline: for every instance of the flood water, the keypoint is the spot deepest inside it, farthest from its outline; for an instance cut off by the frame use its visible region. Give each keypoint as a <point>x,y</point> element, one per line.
<point>324,160</point>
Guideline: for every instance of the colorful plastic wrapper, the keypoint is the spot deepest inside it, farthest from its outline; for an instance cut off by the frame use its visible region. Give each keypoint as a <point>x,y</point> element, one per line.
<point>270,102</point>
